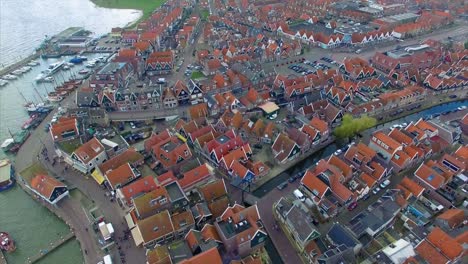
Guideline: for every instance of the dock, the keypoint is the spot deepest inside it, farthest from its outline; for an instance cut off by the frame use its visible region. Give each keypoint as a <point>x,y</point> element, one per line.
<point>2,258</point>
<point>52,247</point>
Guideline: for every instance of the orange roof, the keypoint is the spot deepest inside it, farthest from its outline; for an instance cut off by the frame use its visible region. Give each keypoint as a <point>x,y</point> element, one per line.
<point>400,137</point>
<point>158,255</point>
<point>155,226</point>
<point>121,175</point>
<point>401,158</point>
<point>412,186</point>
<point>425,126</point>
<point>430,254</point>
<point>319,124</point>
<point>462,152</point>
<point>454,217</point>
<point>447,245</point>
<point>45,185</point>
<point>388,141</point>
<point>199,110</point>
<point>345,169</point>
<point>314,184</point>
<point>210,256</point>
<point>140,186</point>
<point>194,176</point>
<point>151,202</point>
<point>128,156</point>
<point>368,180</point>
<point>64,125</point>
<point>428,175</point>
<point>210,232</point>
<point>89,150</point>
<point>218,207</point>
<point>214,190</point>
<point>180,220</point>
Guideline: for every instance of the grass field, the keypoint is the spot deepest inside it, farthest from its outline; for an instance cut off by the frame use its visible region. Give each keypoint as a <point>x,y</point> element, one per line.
<point>147,6</point>
<point>204,14</point>
<point>197,75</point>
<point>32,171</point>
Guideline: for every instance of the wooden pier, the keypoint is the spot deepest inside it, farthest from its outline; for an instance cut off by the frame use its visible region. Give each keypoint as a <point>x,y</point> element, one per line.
<point>52,247</point>
<point>2,258</point>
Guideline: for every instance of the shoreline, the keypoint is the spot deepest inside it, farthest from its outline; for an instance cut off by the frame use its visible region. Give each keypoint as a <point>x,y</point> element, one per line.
<point>18,64</point>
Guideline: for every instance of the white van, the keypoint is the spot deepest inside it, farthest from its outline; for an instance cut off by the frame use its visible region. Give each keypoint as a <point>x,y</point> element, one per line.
<point>299,195</point>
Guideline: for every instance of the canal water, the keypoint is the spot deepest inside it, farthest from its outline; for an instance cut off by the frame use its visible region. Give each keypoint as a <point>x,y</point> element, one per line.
<point>23,27</point>
<point>327,151</point>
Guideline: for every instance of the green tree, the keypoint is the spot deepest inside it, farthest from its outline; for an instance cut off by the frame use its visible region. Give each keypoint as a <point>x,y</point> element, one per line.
<point>351,126</point>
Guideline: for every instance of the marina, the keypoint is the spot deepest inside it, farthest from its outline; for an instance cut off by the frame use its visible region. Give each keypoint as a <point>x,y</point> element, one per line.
<point>17,45</point>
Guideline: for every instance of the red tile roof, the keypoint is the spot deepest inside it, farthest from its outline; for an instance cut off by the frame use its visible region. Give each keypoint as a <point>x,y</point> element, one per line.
<point>210,256</point>
<point>447,245</point>
<point>314,184</point>
<point>138,187</point>
<point>429,176</point>
<point>194,176</point>
<point>130,155</point>
<point>45,184</point>
<point>64,125</point>
<point>89,150</point>
<point>454,217</point>
<point>120,175</point>
<point>430,254</point>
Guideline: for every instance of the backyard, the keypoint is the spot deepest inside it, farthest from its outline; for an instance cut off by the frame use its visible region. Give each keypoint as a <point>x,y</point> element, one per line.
<point>147,6</point>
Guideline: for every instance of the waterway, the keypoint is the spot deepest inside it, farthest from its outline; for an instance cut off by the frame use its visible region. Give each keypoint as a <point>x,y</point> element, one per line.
<point>24,24</point>
<point>23,27</point>
<point>303,165</point>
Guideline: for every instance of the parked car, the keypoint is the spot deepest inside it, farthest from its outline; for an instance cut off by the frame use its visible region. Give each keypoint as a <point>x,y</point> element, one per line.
<point>352,206</point>
<point>338,152</point>
<point>292,179</point>
<point>384,184</point>
<point>376,190</point>
<point>282,186</point>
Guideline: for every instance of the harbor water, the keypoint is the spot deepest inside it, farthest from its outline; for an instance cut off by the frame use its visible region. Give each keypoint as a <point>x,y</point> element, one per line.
<point>23,27</point>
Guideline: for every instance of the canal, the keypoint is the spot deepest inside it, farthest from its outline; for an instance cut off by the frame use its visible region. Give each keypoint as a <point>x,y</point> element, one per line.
<point>327,151</point>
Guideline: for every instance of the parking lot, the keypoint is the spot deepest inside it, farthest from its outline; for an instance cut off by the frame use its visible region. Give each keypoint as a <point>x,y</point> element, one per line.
<point>304,66</point>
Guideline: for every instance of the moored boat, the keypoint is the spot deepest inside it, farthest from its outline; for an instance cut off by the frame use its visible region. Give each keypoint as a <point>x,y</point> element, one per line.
<point>84,71</point>
<point>7,177</point>
<point>33,108</point>
<point>6,242</point>
<point>10,77</point>
<point>54,97</point>
<point>3,82</point>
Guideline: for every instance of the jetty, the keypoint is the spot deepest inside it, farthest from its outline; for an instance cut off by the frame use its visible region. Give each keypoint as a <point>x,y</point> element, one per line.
<point>2,258</point>
<point>52,246</point>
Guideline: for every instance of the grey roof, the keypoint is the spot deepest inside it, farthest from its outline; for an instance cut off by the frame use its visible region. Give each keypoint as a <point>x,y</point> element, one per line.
<point>112,67</point>
<point>381,214</point>
<point>340,236</point>
<point>339,255</point>
<point>302,223</point>
<point>174,191</point>
<point>85,98</point>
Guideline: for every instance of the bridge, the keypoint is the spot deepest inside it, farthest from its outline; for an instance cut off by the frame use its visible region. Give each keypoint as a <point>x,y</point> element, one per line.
<point>163,113</point>
<point>52,246</point>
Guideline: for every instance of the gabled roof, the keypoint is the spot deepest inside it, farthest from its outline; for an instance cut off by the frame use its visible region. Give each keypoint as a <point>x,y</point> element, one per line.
<point>89,150</point>
<point>319,125</point>
<point>194,176</point>
<point>314,184</point>
<point>409,186</point>
<point>63,125</point>
<point>120,175</point>
<point>429,176</point>
<point>128,156</point>
<point>210,256</point>
<point>430,254</point>
<point>345,169</point>
<point>283,146</point>
<point>138,187</point>
<point>454,217</point>
<point>447,245</point>
<point>181,219</point>
<point>213,190</point>
<point>150,201</point>
<point>155,226</point>
<point>45,185</point>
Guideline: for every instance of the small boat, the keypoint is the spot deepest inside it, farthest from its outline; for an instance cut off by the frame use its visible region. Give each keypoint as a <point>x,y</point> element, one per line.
<point>25,69</point>
<point>7,144</point>
<point>83,58</point>
<point>30,122</point>
<point>17,72</point>
<point>48,79</point>
<point>66,68</point>
<point>40,108</point>
<point>84,71</point>
<point>54,67</point>
<point>54,97</point>
<point>10,77</point>
<point>7,243</point>
<point>90,65</point>
<point>33,63</point>
<point>3,82</point>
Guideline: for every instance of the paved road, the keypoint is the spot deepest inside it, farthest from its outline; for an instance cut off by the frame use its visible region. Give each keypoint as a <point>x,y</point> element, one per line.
<point>368,52</point>
<point>149,114</point>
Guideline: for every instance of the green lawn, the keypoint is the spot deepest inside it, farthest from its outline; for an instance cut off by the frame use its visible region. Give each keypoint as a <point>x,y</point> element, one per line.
<point>147,6</point>
<point>32,171</point>
<point>197,75</point>
<point>204,14</point>
<point>70,145</point>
